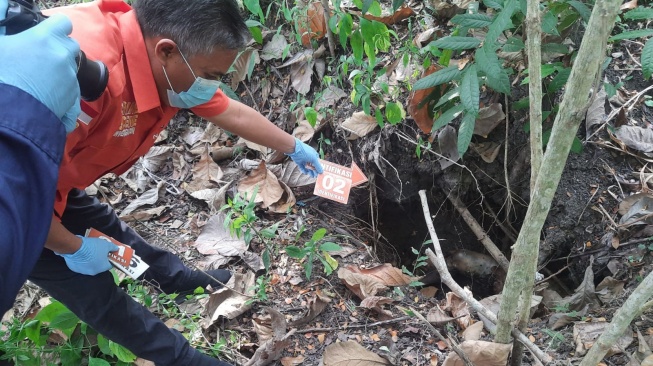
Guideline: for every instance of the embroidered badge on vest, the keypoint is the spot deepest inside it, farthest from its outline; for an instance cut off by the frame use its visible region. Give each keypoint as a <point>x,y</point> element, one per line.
<point>129,118</point>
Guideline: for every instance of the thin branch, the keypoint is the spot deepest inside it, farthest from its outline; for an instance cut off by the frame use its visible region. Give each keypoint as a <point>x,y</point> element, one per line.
<point>480,233</point>
<point>327,15</point>
<point>440,264</point>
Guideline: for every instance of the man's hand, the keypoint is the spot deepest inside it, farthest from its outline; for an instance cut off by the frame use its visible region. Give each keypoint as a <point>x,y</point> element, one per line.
<point>306,159</point>
<point>92,256</point>
<point>41,62</point>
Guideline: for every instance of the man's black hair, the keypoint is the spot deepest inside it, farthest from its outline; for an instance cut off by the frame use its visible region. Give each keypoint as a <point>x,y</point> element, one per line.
<point>197,26</point>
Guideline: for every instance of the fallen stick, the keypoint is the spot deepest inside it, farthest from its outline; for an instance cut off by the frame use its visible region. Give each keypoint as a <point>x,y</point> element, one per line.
<point>445,277</point>
<point>479,232</point>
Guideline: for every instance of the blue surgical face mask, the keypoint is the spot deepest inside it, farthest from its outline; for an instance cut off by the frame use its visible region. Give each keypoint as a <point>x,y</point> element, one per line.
<point>199,93</point>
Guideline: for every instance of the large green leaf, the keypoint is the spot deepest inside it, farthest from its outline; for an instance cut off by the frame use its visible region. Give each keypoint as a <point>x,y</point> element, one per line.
<point>582,9</point>
<point>346,25</point>
<point>64,320</point>
<point>121,352</point>
<point>488,62</point>
<point>640,13</point>
<point>357,46</point>
<point>472,20</point>
<point>456,43</point>
<point>555,48</point>
<point>559,80</point>
<point>453,93</point>
<point>437,78</point>
<point>92,361</point>
<point>295,252</point>
<point>549,23</point>
<point>632,34</point>
<point>513,44</point>
<point>465,132</point>
<point>647,59</point>
<point>366,5</point>
<point>447,116</point>
<point>51,311</point>
<point>501,22</point>
<point>469,90</point>
<point>396,4</point>
<point>254,7</point>
<point>494,4</point>
<point>103,344</point>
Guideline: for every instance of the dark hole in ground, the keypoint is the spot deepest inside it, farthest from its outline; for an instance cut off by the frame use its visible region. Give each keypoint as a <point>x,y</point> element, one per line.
<point>402,226</point>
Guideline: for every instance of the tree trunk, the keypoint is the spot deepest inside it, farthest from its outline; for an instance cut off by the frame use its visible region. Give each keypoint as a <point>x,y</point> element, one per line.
<point>523,263</point>
<point>633,306</point>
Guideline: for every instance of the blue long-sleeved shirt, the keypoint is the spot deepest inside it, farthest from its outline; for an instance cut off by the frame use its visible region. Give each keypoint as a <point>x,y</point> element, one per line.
<point>32,140</point>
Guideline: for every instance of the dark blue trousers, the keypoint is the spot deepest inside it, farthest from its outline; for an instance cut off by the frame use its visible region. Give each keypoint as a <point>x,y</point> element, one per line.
<point>107,308</point>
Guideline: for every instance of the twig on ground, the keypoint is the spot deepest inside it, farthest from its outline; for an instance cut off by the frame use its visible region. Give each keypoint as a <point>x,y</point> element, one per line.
<point>588,203</point>
<point>355,326</point>
<point>450,341</point>
<point>553,275</point>
<point>440,264</point>
<point>616,111</point>
<point>480,233</point>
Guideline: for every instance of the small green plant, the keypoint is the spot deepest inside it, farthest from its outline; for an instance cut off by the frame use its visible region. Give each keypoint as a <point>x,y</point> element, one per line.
<point>420,261</point>
<point>320,143</point>
<point>313,249</point>
<point>26,343</point>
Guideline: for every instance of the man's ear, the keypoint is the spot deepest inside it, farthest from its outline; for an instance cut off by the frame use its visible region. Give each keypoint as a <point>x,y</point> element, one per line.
<point>165,50</point>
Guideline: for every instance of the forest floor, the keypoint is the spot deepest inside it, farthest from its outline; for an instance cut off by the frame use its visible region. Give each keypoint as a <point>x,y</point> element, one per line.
<point>361,297</point>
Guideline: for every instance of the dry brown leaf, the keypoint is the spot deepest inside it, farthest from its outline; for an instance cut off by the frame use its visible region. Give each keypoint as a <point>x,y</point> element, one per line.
<point>301,76</point>
<point>241,65</point>
<point>274,48</point>
<point>629,5</point>
<point>214,197</point>
<point>585,334</point>
<point>376,303</point>
<point>473,332</point>
<point>361,285</point>
<point>418,108</point>
<point>144,215</point>
<point>316,305</point>
<point>206,173</point>
<point>636,137</point>
<point>231,303</point>
<point>609,289</point>
<point>304,131</point>
<point>292,361</point>
<point>331,95</point>
<point>215,239</point>
<point>437,316</point>
<point>191,135</point>
<point>180,167</point>
<point>595,113</point>
<point>488,151</point>
<point>344,251</point>
<point>293,177</point>
<point>480,353</point>
<point>351,354</point>
<point>148,198</point>
<point>402,13</point>
<point>286,201</point>
<point>313,24</point>
<point>269,190</point>
<point>262,327</point>
<point>424,37</point>
<point>459,309</point>
<point>359,124</point>
<point>488,119</point>
<point>385,274</point>
<point>271,350</point>
<point>156,157</point>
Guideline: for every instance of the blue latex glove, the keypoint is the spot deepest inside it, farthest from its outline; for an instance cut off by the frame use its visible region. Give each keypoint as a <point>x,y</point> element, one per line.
<point>306,159</point>
<point>91,258</point>
<point>41,62</point>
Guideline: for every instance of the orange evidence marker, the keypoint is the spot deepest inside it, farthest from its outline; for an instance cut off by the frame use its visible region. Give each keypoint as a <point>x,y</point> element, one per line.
<point>336,181</point>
